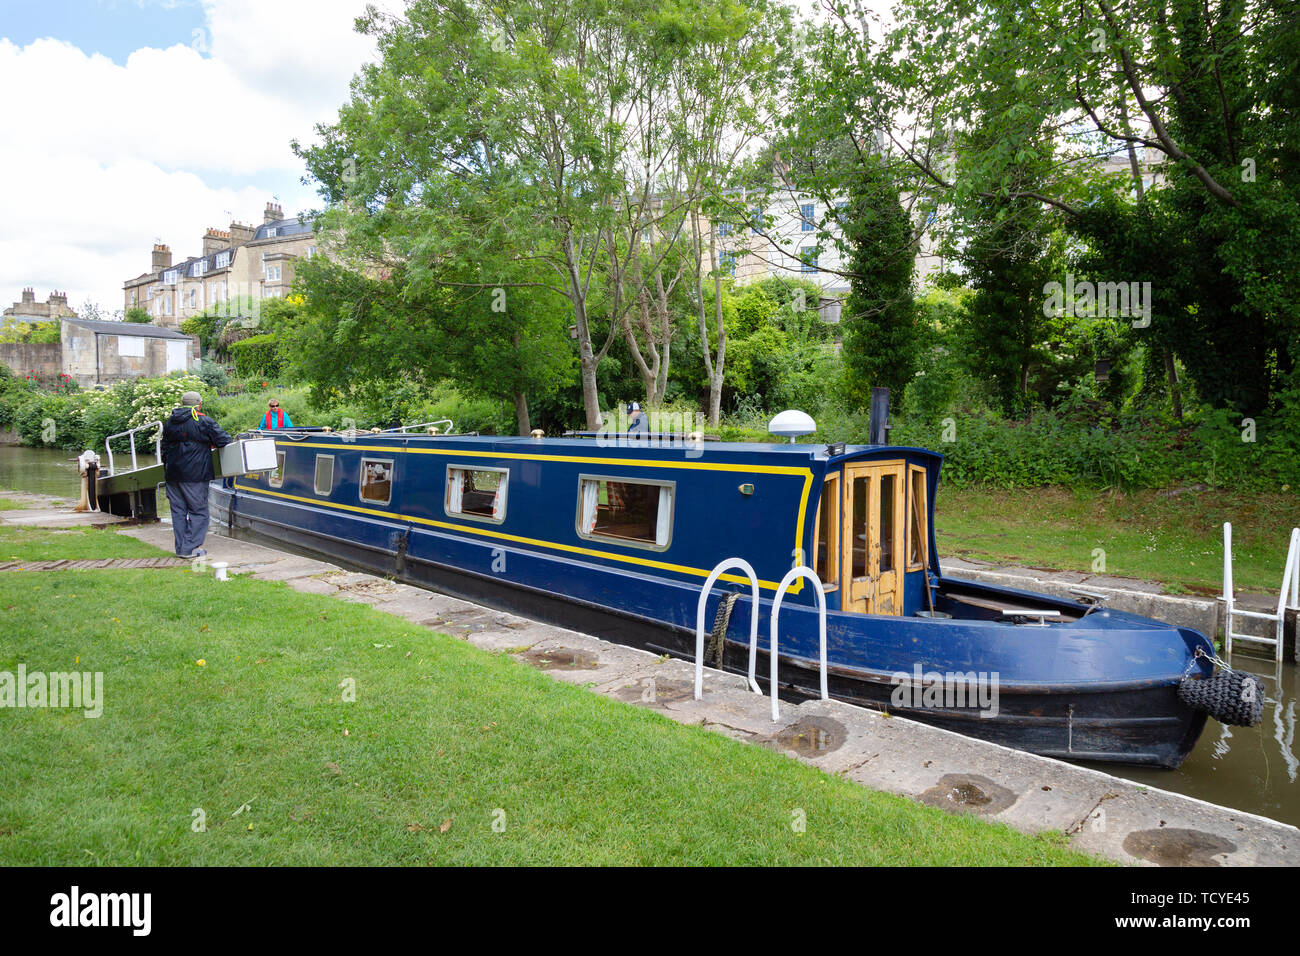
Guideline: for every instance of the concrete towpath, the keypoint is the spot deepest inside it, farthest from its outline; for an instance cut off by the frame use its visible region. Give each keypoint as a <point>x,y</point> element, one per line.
<point>1099,813</point>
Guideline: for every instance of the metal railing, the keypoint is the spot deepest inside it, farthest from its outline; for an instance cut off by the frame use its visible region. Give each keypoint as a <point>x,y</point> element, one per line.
<point>403,429</point>
<point>803,571</point>
<point>791,576</point>
<point>157,446</point>
<point>1288,599</point>
<point>726,565</point>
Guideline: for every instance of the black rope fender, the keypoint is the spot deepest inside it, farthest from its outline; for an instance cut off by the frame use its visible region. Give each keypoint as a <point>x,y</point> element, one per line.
<point>718,636</point>
<point>1231,697</point>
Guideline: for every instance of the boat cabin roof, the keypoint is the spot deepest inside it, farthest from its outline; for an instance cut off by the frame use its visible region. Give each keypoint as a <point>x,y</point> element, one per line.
<point>617,443</point>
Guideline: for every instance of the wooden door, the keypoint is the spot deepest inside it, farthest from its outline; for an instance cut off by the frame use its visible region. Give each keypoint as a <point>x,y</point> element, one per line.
<point>872,537</point>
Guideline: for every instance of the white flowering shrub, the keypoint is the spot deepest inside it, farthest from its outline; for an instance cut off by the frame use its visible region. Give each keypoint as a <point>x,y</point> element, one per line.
<point>154,400</point>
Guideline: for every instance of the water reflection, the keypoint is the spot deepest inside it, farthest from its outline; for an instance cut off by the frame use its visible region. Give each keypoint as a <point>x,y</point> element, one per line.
<point>1254,769</point>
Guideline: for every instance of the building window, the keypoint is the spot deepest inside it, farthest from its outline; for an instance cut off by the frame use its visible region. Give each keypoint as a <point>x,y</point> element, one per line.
<point>757,221</point>
<point>324,474</point>
<point>311,251</point>
<point>272,273</point>
<point>270,232</point>
<point>223,260</point>
<point>724,228</point>
<point>727,263</point>
<point>130,346</point>
<point>169,277</point>
<point>808,217</point>
<point>200,267</point>
<point>377,480</point>
<point>276,478</point>
<point>624,511</point>
<point>477,493</point>
<point>807,258</point>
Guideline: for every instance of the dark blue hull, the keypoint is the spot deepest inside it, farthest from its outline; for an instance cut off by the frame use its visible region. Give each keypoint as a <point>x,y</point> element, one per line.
<point>1100,687</point>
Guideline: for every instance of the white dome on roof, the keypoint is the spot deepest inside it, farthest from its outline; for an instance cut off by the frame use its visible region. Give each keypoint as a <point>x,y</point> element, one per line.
<point>792,423</point>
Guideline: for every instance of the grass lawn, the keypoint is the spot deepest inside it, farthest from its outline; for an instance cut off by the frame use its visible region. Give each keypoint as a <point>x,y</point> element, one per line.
<point>53,544</point>
<point>1176,539</point>
<point>8,504</point>
<point>227,698</point>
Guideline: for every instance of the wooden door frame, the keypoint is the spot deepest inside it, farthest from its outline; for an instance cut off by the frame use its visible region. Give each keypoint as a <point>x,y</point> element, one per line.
<point>870,602</point>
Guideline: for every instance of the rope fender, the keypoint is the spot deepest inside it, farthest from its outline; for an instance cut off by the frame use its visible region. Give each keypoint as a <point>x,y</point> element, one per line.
<point>1231,697</point>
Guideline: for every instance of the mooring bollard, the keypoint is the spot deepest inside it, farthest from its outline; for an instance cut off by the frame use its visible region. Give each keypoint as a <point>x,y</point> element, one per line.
<point>219,569</point>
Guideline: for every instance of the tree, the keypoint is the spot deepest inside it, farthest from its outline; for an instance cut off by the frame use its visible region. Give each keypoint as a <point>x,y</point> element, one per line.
<point>567,136</point>
<point>1205,90</point>
<point>356,337</point>
<point>138,315</point>
<point>1009,260</point>
<point>881,340</point>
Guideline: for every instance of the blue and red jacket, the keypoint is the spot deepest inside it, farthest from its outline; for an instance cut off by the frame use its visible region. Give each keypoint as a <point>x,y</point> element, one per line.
<point>279,420</point>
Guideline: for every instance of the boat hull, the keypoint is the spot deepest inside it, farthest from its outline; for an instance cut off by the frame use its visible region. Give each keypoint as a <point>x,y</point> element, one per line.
<point>1132,722</point>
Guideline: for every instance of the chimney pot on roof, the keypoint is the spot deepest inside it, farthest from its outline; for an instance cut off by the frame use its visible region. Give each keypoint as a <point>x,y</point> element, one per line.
<point>162,258</point>
<point>273,212</point>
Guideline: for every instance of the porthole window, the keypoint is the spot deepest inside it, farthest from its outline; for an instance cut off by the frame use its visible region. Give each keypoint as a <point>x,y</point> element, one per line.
<point>624,511</point>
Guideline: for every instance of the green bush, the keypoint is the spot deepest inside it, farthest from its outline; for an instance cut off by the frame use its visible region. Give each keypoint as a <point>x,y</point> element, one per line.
<point>258,355</point>
<point>213,375</point>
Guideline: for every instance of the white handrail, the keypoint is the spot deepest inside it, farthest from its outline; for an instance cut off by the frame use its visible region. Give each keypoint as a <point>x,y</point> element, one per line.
<point>157,446</point>
<point>803,571</point>
<point>1288,598</point>
<point>403,429</point>
<point>726,565</point>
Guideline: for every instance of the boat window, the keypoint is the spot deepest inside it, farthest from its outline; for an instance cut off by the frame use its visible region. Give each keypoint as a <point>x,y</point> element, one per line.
<point>324,474</point>
<point>887,529</point>
<point>826,537</point>
<point>917,534</point>
<point>861,495</point>
<point>276,478</point>
<point>629,512</point>
<point>377,480</point>
<point>477,493</point>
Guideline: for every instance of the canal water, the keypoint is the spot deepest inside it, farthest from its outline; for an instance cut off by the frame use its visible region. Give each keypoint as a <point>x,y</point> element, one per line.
<point>1255,769</point>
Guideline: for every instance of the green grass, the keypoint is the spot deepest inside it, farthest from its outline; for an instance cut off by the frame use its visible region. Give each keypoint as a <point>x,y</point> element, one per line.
<point>8,504</point>
<point>1174,539</point>
<point>440,737</point>
<point>54,544</point>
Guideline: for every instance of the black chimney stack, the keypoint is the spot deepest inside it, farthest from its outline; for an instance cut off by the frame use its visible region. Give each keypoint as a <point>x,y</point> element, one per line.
<point>879,417</point>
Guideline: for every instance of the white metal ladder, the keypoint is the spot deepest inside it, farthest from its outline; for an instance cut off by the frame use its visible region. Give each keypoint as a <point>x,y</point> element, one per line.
<point>1289,599</point>
<point>794,573</point>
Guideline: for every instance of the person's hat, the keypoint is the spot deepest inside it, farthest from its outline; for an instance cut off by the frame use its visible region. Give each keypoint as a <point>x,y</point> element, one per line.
<point>633,407</point>
<point>191,399</point>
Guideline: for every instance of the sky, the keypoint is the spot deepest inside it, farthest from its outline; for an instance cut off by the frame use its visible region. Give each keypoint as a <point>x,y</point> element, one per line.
<point>129,122</point>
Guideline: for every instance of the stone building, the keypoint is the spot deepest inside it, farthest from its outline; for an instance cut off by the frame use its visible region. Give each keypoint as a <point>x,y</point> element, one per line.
<point>105,352</point>
<point>94,352</point>
<point>238,268</point>
<point>29,310</point>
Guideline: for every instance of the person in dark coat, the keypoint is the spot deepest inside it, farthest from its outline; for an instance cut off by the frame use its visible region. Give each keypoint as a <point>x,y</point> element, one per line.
<point>187,442</point>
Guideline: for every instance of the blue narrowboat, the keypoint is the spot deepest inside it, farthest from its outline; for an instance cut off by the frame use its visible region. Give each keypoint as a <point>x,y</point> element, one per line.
<point>616,535</point>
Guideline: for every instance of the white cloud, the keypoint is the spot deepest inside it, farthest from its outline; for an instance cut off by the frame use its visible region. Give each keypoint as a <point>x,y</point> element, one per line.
<point>98,160</point>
